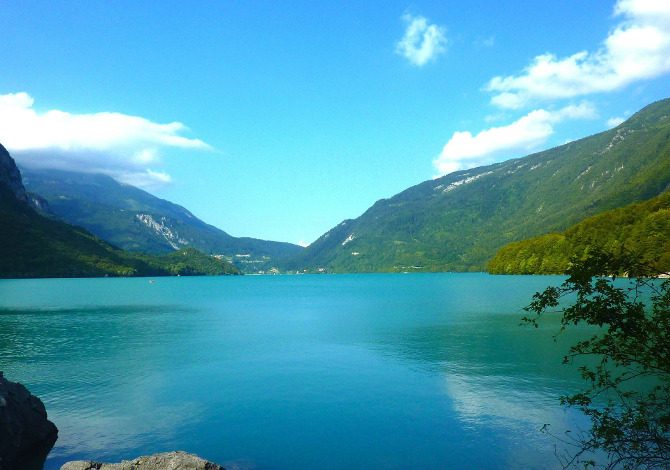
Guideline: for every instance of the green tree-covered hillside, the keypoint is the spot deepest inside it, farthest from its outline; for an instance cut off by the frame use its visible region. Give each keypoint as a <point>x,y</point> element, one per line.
<point>135,220</point>
<point>32,245</point>
<point>641,230</point>
<point>459,221</point>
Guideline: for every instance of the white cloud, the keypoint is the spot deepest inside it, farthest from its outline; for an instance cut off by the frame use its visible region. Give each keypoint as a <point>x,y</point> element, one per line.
<point>117,144</point>
<point>615,121</point>
<point>638,48</point>
<point>422,41</point>
<point>144,179</point>
<point>465,150</point>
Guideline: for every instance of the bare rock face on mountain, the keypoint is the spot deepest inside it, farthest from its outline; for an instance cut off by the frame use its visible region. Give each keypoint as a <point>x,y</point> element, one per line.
<point>10,176</point>
<point>26,436</point>
<point>165,461</point>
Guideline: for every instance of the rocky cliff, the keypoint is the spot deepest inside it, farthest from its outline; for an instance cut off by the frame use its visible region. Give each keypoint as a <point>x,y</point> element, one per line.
<point>10,175</point>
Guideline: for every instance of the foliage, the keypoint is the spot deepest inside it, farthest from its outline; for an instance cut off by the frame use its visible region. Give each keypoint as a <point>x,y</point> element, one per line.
<point>642,229</point>
<point>189,262</point>
<point>627,394</point>
<point>459,221</point>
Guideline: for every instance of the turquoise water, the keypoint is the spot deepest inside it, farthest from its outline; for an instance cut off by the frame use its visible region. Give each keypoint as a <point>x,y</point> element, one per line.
<point>291,372</point>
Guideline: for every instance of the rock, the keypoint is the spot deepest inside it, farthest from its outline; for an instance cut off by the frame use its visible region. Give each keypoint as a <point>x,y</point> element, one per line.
<point>10,177</point>
<point>40,204</point>
<point>26,436</point>
<point>166,461</point>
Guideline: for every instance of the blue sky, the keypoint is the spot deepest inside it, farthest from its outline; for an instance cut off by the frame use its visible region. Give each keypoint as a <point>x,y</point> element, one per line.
<point>277,120</point>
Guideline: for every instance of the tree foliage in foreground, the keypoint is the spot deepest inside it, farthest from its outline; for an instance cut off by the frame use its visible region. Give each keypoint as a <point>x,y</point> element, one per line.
<point>627,393</point>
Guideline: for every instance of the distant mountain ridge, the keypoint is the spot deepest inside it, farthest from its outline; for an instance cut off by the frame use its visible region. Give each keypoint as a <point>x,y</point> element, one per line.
<point>135,220</point>
<point>458,222</point>
<point>453,223</point>
<point>35,246</point>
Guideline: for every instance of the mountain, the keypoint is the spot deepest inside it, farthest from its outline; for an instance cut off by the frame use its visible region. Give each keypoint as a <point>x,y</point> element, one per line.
<point>32,245</point>
<point>458,222</point>
<point>10,177</point>
<point>135,220</point>
<point>641,229</point>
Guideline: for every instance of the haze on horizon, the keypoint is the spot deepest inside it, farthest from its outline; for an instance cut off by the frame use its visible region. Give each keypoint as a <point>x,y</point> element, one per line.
<point>278,121</point>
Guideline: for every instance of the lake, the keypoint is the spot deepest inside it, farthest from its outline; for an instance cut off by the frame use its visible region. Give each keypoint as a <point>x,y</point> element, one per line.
<point>292,372</point>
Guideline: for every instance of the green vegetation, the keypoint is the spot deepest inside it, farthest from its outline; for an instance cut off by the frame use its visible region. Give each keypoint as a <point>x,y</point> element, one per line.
<point>454,223</point>
<point>642,229</point>
<point>627,371</point>
<point>188,262</point>
<point>34,246</point>
<point>459,221</point>
<point>134,220</point>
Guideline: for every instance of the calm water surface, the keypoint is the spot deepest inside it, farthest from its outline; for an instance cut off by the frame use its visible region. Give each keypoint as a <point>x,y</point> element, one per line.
<point>291,372</point>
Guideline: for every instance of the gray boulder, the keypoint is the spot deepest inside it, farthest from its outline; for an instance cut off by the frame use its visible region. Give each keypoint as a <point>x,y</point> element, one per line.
<point>166,461</point>
<point>26,435</point>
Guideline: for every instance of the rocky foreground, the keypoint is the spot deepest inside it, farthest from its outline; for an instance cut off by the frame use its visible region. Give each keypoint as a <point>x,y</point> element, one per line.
<point>165,461</point>
<point>26,435</point>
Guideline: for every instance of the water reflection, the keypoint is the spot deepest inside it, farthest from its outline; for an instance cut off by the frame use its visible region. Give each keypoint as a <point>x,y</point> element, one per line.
<point>500,378</point>
<point>108,433</point>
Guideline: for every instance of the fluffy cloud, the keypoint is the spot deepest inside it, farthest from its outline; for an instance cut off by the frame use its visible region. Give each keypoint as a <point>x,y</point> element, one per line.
<point>422,41</point>
<point>117,144</point>
<point>465,150</point>
<point>638,48</point>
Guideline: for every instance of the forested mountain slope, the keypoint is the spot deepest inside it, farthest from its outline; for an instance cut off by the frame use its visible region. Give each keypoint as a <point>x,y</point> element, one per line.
<point>135,220</point>
<point>459,221</point>
<point>641,230</point>
<point>32,245</point>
